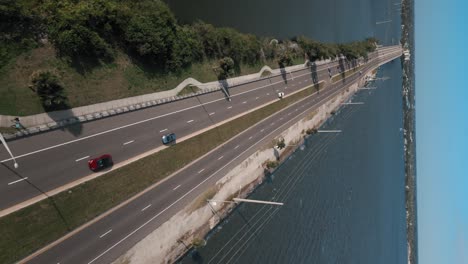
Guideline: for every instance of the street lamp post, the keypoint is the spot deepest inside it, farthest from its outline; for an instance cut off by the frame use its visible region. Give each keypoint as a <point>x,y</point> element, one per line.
<point>8,149</point>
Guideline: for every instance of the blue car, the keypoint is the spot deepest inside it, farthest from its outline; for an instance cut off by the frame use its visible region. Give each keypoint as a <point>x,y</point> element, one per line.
<point>169,138</point>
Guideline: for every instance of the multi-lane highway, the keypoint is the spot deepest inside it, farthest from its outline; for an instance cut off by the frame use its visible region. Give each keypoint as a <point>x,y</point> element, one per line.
<point>109,236</point>
<point>50,160</point>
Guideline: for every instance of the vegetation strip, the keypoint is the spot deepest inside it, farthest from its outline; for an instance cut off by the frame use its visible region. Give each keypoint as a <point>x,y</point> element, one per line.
<point>346,74</point>
<point>35,226</point>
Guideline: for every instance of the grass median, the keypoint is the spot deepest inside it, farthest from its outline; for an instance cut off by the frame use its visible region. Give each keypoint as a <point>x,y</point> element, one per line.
<point>346,74</point>
<point>35,226</point>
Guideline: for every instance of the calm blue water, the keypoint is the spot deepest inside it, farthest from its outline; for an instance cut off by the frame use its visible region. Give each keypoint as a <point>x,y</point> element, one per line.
<point>325,20</point>
<point>343,193</point>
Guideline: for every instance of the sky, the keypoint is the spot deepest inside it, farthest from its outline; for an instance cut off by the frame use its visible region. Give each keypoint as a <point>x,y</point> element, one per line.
<point>441,37</point>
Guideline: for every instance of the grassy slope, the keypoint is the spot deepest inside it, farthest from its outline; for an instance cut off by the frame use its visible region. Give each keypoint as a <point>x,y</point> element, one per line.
<point>117,80</point>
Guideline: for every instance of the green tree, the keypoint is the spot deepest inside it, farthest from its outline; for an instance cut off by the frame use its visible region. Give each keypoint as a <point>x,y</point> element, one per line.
<point>285,59</point>
<point>19,29</point>
<point>186,49</point>
<point>83,29</point>
<point>52,94</point>
<point>153,34</point>
<point>226,65</point>
<point>80,41</point>
<point>208,36</point>
<point>280,143</point>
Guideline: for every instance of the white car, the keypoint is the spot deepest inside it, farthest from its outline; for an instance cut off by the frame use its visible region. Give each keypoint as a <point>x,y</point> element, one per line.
<point>280,95</point>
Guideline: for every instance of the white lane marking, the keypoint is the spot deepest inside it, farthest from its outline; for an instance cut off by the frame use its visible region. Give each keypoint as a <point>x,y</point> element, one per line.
<point>262,130</point>
<point>196,187</point>
<point>177,187</point>
<point>256,98</point>
<point>129,142</point>
<point>244,102</point>
<point>201,171</point>
<point>101,236</point>
<point>163,130</point>
<point>220,157</point>
<point>190,121</point>
<point>297,109</point>
<point>148,206</point>
<point>212,113</point>
<point>82,158</point>
<point>268,93</point>
<point>160,116</point>
<point>250,137</point>
<point>273,124</point>
<point>229,107</point>
<point>13,182</point>
<point>236,147</point>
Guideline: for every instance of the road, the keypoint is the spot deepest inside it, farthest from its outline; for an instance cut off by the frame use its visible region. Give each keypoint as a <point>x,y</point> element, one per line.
<point>105,239</point>
<point>50,160</point>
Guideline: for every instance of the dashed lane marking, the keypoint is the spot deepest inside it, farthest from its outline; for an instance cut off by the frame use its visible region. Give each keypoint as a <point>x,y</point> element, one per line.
<point>101,236</point>
<point>82,158</point>
<point>13,182</point>
<point>146,207</point>
<point>129,142</point>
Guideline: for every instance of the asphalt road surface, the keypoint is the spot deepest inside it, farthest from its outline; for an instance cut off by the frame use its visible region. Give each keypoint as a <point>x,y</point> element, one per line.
<point>112,235</point>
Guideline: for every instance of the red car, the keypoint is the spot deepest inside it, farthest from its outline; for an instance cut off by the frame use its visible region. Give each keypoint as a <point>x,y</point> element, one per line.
<point>100,163</point>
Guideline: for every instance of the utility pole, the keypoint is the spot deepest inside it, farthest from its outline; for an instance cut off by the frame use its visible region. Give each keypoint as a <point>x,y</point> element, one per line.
<point>8,149</point>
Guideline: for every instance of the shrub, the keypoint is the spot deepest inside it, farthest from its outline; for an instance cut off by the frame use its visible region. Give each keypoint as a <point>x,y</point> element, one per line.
<point>48,88</point>
<point>271,164</point>
<point>280,144</point>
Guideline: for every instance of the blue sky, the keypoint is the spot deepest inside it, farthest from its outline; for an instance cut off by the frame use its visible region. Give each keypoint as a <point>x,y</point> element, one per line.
<point>441,29</point>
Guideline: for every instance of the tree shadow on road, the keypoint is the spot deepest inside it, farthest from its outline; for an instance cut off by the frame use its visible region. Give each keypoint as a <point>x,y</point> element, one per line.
<point>224,85</point>
<point>342,68</point>
<point>66,121</point>
<point>284,74</point>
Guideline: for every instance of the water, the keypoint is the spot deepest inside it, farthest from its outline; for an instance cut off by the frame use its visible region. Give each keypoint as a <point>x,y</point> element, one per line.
<point>343,193</point>
<point>329,21</point>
